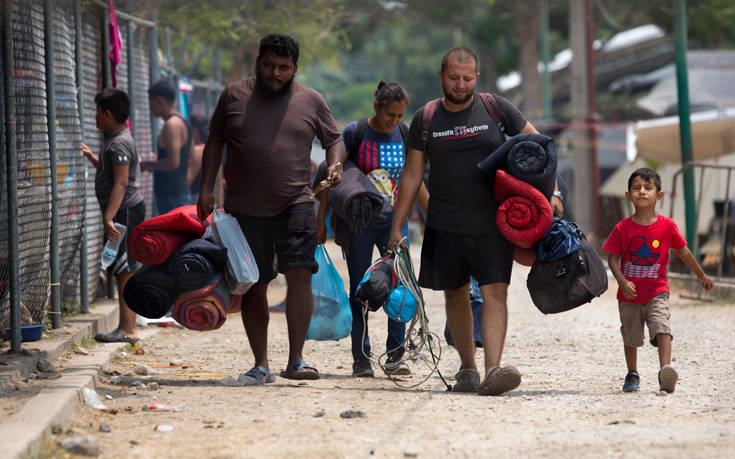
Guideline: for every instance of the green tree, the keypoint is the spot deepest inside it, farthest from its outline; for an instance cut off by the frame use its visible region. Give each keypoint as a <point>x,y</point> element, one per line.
<point>235,28</point>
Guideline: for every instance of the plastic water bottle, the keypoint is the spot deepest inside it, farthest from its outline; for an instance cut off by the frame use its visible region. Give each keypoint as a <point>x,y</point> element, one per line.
<point>109,251</point>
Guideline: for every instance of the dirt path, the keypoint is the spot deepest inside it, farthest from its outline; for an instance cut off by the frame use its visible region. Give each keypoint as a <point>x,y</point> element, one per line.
<point>569,403</point>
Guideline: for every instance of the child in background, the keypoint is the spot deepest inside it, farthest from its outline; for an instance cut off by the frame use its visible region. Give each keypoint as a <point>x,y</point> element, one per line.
<point>118,196</point>
<point>639,256</point>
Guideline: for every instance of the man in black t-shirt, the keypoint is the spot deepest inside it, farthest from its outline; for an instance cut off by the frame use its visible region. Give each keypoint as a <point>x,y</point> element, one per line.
<point>462,238</point>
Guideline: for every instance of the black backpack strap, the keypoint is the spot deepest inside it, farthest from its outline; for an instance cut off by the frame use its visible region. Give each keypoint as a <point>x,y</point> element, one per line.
<point>359,136</point>
<point>428,115</point>
<point>492,108</point>
<point>404,131</point>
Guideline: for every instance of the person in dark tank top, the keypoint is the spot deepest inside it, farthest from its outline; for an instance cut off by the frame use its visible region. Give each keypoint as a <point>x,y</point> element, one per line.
<point>170,185</point>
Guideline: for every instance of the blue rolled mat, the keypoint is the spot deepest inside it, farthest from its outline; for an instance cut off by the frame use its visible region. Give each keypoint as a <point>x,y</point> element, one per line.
<point>528,157</point>
<point>193,264</point>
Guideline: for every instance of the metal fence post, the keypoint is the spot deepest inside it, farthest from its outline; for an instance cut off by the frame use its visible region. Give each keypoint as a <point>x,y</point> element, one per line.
<point>155,72</point>
<point>48,17</point>
<point>106,66</point>
<point>685,127</point>
<point>83,266</point>
<point>12,173</point>
<point>130,32</point>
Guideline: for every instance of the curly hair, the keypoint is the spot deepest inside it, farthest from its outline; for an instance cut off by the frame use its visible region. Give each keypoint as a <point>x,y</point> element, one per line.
<point>282,45</point>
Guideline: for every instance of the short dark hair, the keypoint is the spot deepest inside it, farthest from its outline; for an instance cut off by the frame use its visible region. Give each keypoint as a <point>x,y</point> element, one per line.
<point>200,125</point>
<point>162,88</point>
<point>116,101</point>
<point>281,45</point>
<point>461,54</point>
<point>649,175</point>
<point>389,92</point>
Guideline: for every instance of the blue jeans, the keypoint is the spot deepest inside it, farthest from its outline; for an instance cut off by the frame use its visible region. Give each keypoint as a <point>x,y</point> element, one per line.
<point>359,259</point>
<point>168,203</point>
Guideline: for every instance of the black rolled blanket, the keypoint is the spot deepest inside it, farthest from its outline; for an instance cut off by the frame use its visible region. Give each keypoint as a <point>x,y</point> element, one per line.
<point>354,201</point>
<point>527,157</point>
<point>193,264</point>
<point>151,292</point>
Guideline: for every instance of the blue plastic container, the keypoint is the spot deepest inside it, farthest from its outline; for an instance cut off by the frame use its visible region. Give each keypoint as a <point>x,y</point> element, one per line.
<point>28,332</point>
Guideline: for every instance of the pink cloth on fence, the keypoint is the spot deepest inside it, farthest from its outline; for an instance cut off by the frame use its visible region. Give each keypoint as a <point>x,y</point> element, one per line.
<point>115,44</point>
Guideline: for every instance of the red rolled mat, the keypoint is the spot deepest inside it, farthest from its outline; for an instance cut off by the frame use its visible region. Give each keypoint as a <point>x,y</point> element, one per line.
<point>524,214</point>
<point>153,241</point>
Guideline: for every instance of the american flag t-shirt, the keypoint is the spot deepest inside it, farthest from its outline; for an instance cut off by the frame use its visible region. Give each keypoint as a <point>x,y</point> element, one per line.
<point>392,159</point>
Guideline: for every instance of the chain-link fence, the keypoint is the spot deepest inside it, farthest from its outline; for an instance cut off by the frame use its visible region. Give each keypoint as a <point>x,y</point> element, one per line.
<point>75,179</point>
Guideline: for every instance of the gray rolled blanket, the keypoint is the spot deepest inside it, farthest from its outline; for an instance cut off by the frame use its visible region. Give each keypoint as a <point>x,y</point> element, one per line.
<point>354,202</point>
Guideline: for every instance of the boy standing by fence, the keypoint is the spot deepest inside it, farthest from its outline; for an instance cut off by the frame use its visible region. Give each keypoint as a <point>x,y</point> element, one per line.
<point>118,196</point>
<point>639,255</point>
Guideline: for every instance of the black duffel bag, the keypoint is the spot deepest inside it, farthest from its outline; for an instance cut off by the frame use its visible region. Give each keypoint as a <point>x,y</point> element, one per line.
<point>564,284</point>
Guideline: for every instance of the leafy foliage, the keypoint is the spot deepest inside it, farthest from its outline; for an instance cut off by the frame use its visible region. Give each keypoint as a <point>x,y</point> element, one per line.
<point>236,28</point>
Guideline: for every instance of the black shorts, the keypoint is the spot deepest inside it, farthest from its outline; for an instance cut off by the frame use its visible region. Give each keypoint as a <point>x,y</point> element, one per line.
<point>291,236</point>
<point>130,217</point>
<point>448,259</point>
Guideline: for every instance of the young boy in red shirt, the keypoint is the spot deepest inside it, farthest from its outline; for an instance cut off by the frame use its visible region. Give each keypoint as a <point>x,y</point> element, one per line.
<point>639,255</point>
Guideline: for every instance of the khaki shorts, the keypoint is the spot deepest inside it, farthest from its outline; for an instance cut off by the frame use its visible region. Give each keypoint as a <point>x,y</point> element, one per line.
<point>655,314</point>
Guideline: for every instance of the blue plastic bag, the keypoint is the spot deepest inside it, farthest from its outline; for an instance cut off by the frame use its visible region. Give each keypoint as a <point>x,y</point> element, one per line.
<point>401,304</point>
<point>332,316</point>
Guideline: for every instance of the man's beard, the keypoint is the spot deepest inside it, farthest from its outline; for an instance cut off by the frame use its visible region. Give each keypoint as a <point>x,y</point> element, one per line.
<point>265,89</point>
<point>455,100</point>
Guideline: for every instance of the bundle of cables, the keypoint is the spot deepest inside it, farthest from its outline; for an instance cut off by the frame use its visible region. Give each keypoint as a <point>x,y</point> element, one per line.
<point>422,347</point>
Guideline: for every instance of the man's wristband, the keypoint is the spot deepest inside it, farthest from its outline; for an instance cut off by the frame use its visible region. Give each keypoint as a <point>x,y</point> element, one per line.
<point>557,193</point>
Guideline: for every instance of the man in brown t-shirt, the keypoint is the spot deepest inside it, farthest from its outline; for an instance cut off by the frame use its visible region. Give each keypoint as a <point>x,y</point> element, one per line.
<point>268,123</point>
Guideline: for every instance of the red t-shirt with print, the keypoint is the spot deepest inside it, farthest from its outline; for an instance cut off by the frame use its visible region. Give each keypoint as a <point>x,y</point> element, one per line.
<point>644,255</point>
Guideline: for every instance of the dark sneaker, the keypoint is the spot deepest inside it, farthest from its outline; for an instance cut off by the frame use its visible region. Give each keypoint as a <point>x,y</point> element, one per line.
<point>632,382</point>
<point>500,380</point>
<point>456,375</point>
<point>667,378</point>
<point>362,369</point>
<point>395,366</point>
<point>467,381</point>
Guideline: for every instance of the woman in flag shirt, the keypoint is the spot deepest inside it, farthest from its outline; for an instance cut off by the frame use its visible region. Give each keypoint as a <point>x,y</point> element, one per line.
<point>377,148</point>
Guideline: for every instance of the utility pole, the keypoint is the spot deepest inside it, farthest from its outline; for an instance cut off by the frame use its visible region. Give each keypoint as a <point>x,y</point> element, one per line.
<point>544,45</point>
<point>584,135</point>
<point>685,127</point>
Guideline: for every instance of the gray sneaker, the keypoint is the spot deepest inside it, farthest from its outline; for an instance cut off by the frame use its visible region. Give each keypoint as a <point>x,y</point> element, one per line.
<point>667,378</point>
<point>500,380</point>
